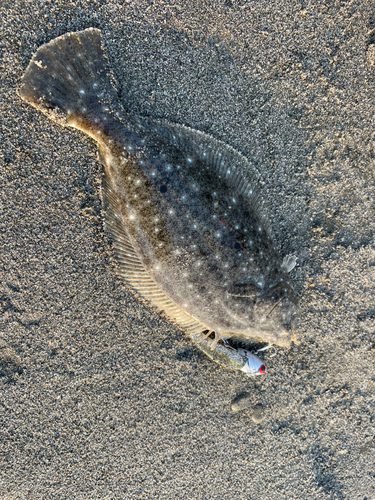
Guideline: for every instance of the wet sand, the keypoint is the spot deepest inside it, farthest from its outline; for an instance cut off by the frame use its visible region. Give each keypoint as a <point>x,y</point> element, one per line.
<point>101,397</point>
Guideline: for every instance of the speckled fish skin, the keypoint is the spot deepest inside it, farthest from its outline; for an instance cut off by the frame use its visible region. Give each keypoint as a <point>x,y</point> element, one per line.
<point>188,231</point>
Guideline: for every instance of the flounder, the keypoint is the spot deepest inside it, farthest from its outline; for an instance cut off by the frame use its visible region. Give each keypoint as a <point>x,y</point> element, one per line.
<point>183,208</point>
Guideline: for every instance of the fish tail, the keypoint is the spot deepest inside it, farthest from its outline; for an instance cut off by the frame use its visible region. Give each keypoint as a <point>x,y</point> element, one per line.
<point>67,79</point>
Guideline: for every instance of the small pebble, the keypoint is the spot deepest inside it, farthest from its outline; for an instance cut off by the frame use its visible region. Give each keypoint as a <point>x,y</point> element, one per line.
<point>9,363</point>
<point>241,402</point>
<point>258,414</point>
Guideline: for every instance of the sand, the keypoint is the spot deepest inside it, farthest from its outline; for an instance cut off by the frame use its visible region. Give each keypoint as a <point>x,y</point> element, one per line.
<point>102,398</point>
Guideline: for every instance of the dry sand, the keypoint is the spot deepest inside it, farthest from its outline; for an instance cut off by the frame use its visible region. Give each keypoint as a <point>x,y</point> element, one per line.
<point>101,398</point>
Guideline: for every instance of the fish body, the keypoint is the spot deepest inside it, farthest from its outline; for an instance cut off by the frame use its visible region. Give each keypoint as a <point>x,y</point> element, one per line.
<point>188,231</point>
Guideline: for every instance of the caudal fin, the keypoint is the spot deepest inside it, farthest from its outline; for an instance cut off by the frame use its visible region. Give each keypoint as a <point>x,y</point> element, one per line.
<point>67,80</point>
